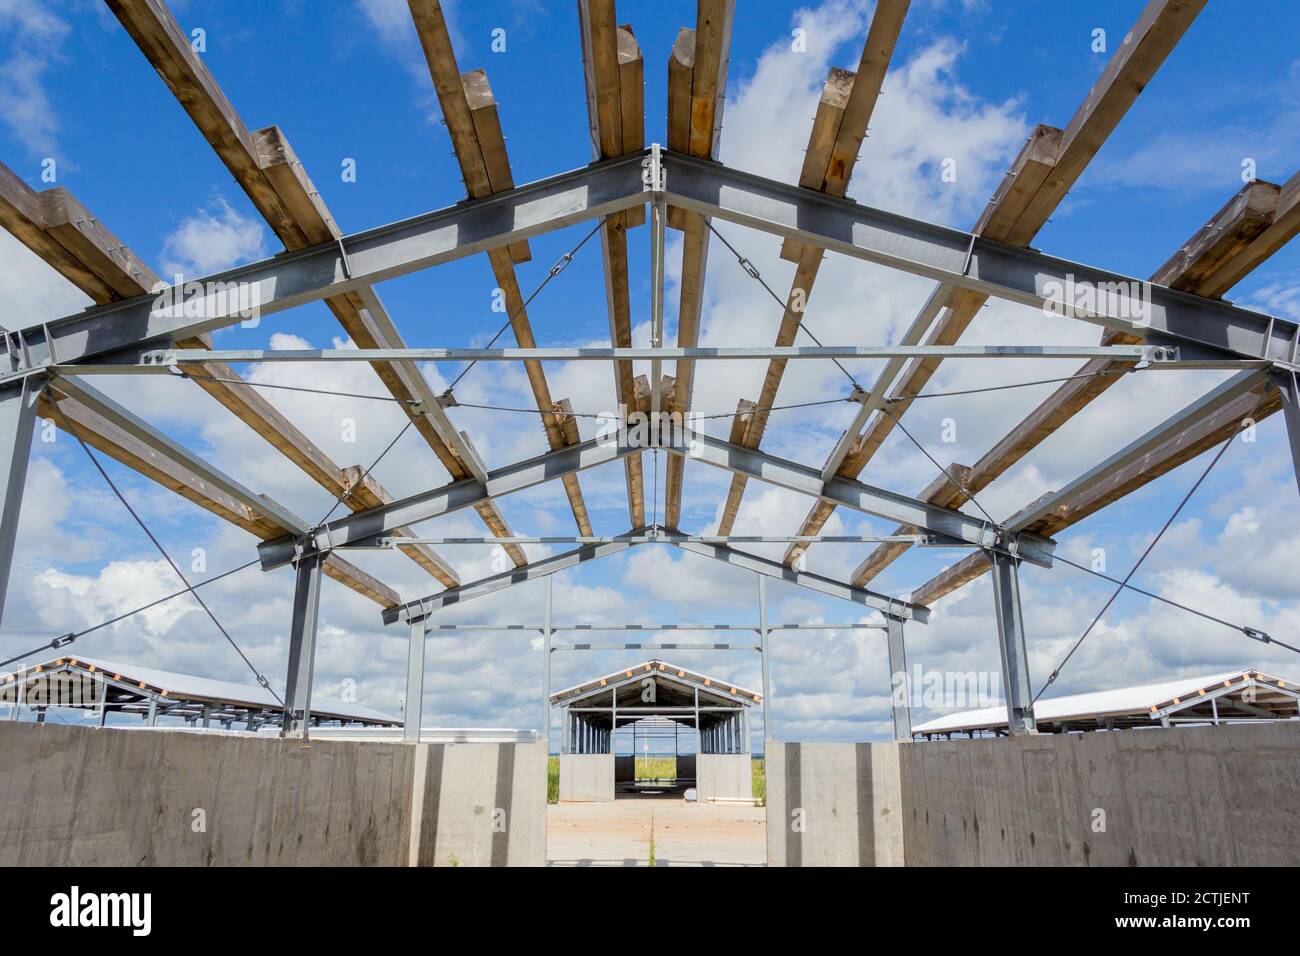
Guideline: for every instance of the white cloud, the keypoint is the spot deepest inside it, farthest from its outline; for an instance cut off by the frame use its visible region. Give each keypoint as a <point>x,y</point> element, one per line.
<point>35,37</point>
<point>211,239</point>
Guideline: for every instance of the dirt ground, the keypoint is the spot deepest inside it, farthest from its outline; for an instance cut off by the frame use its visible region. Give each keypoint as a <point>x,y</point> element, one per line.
<point>682,834</point>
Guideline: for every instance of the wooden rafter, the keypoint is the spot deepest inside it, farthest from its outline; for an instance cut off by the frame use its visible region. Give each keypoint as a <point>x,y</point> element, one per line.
<point>277,184</point>
<point>694,127</point>
<point>616,115</point>
<point>843,114</point>
<point>1038,181</point>
<point>1226,245</point>
<point>470,112</point>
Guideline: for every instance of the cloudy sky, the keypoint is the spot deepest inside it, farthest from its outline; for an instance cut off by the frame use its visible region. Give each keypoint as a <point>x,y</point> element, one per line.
<point>345,81</point>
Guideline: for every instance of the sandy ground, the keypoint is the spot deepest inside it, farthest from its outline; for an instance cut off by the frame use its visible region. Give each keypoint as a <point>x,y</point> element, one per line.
<point>684,834</point>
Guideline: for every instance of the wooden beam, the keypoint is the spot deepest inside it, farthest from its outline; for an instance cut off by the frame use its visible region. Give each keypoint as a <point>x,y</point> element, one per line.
<point>941,492</point>
<point>1230,234</point>
<point>713,19</point>
<point>364,492</point>
<point>166,46</point>
<point>470,111</point>
<point>845,108</point>
<point>21,216</point>
<point>693,127</point>
<point>605,113</point>
<point>1206,434</point>
<point>1047,167</point>
<point>821,142</point>
<point>98,432</point>
<point>492,143</point>
<point>275,181</point>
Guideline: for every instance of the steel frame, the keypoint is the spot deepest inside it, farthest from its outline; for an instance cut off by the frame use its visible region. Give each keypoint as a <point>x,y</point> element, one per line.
<point>137,335</point>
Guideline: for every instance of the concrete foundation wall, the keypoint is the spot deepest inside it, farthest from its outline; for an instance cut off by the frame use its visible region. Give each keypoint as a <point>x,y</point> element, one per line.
<point>480,805</point>
<point>831,804</point>
<point>78,796</point>
<point>587,778</point>
<point>726,776</point>
<point>1211,796</point>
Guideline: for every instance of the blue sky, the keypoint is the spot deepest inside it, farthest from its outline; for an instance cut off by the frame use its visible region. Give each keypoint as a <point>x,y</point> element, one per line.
<point>346,80</point>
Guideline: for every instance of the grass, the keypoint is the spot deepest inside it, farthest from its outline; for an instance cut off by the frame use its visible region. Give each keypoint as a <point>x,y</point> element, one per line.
<point>656,768</point>
<point>652,768</point>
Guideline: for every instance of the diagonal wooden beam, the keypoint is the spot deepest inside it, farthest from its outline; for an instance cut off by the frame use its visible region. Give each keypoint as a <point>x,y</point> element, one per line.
<point>1226,242</point>
<point>98,432</point>
<point>276,183</point>
<point>1208,432</point>
<point>1035,186</point>
<point>615,134</point>
<point>695,128</point>
<point>470,112</point>
<point>843,114</point>
<point>118,273</point>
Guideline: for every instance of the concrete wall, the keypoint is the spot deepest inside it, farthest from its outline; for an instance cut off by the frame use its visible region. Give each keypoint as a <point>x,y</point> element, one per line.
<point>479,805</point>
<point>831,804</point>
<point>78,796</point>
<point>727,776</point>
<point>1202,796</point>
<point>587,778</point>
<point>1211,796</point>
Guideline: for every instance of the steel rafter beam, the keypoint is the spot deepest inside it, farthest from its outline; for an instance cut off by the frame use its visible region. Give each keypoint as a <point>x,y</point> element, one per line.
<point>1212,419</point>
<point>416,610</point>
<point>967,261</point>
<point>365,527</point>
<point>815,582</point>
<point>1203,327</point>
<point>1229,240</point>
<point>329,268</point>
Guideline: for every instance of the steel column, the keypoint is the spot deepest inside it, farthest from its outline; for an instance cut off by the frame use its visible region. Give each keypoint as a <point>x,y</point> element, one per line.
<point>1289,386</point>
<point>1011,644</point>
<point>414,682</point>
<point>546,668</point>
<point>17,421</point>
<point>898,666</point>
<point>302,642</point>
<point>762,643</point>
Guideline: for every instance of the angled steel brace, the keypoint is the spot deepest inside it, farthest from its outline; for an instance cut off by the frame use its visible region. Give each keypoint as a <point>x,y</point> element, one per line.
<point>764,567</point>
<point>364,527</point>
<point>964,260</point>
<point>1206,328</point>
<point>352,263</point>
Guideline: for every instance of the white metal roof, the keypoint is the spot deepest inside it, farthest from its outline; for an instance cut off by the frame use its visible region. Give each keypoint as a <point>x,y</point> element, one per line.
<point>1138,700</point>
<point>191,687</point>
<point>663,669</point>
